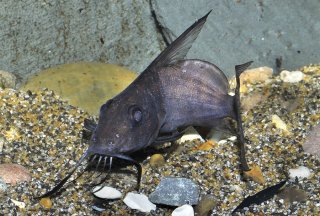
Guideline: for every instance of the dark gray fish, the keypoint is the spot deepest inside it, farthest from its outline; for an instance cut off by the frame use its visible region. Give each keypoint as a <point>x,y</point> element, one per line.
<point>167,97</point>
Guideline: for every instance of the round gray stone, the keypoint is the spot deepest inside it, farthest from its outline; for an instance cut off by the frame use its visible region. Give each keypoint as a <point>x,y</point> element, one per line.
<point>175,192</point>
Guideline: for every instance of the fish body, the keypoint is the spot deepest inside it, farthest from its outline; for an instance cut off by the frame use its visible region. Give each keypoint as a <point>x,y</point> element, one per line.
<point>194,93</point>
<point>169,95</point>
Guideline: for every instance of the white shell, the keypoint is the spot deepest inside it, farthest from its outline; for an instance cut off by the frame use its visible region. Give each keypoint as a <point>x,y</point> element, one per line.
<point>291,77</point>
<point>139,202</point>
<point>222,142</point>
<point>106,192</point>
<point>21,205</point>
<point>233,138</point>
<point>185,210</point>
<point>279,123</point>
<point>190,137</point>
<point>300,172</point>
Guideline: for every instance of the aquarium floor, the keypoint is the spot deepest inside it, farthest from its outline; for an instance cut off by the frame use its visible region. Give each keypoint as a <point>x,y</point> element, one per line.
<point>44,134</point>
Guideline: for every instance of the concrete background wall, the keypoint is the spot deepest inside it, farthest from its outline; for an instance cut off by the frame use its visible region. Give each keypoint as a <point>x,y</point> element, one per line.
<point>35,35</point>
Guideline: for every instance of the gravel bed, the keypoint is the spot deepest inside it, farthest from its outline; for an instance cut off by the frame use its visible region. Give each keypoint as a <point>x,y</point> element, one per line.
<point>44,134</point>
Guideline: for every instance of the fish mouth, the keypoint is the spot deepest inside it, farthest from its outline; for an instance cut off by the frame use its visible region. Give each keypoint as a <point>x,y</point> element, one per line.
<point>102,160</point>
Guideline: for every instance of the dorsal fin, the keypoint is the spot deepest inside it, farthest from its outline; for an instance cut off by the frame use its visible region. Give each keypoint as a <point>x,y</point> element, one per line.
<point>179,48</point>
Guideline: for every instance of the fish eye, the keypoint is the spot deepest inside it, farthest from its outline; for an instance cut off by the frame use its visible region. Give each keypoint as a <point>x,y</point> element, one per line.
<point>135,113</point>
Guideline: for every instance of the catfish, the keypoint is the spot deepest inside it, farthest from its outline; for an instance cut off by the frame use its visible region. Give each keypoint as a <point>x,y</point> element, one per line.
<point>171,94</point>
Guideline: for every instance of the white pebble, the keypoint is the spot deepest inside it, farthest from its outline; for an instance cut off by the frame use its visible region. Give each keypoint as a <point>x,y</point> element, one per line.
<point>291,77</point>
<point>185,210</point>
<point>190,137</point>
<point>21,205</point>
<point>106,192</point>
<point>139,202</point>
<point>300,172</point>
<point>233,138</point>
<point>236,188</point>
<point>279,123</point>
<point>222,142</point>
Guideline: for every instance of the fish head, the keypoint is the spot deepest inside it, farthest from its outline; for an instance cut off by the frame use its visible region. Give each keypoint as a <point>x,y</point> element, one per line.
<point>125,126</point>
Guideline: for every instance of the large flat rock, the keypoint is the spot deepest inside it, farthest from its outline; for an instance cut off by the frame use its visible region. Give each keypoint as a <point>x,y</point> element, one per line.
<point>238,31</point>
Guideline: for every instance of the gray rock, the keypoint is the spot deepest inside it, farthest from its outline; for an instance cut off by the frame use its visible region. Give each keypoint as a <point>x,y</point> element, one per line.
<point>175,192</point>
<point>239,31</point>
<point>39,34</point>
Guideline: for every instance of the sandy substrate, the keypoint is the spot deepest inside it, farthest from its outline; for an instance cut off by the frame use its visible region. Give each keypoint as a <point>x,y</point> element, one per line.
<point>43,134</point>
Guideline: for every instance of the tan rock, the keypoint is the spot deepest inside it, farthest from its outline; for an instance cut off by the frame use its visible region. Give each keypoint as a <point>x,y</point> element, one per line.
<point>255,174</point>
<point>255,75</point>
<point>7,80</point>
<point>14,173</point>
<point>279,123</point>
<point>312,143</point>
<point>157,160</point>
<point>207,202</point>
<point>46,202</point>
<point>250,101</point>
<point>87,85</point>
<point>206,146</point>
<point>252,76</point>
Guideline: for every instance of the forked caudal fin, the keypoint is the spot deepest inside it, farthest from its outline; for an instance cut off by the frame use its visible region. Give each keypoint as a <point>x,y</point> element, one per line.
<point>239,69</point>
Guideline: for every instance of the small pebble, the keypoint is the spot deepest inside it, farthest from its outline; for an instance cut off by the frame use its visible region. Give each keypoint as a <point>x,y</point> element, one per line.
<point>157,160</point>
<point>292,194</point>
<point>236,188</point>
<point>2,140</point>
<point>312,143</point>
<point>7,79</point>
<point>3,186</point>
<point>279,123</point>
<point>190,137</point>
<point>96,208</point>
<point>206,203</point>
<point>255,174</point>
<point>190,134</point>
<point>21,205</point>
<point>105,192</point>
<point>233,138</point>
<point>185,210</point>
<point>46,202</point>
<point>222,142</point>
<point>14,173</point>
<point>139,202</point>
<point>300,172</point>
<point>12,134</point>
<point>206,146</point>
<point>291,77</point>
